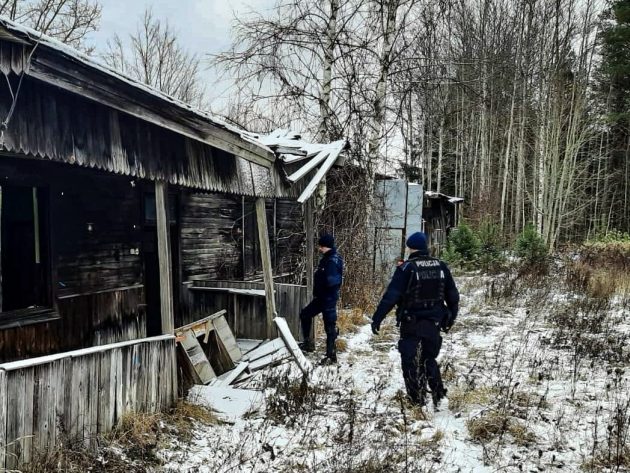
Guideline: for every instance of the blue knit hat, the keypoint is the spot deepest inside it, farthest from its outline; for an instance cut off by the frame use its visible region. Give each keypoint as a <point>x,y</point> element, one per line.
<point>326,240</point>
<point>417,241</point>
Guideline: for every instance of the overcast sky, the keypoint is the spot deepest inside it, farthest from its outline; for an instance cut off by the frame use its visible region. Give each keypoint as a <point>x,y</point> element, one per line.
<point>202,25</point>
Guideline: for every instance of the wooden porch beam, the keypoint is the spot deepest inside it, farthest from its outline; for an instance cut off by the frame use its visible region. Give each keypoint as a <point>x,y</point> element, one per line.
<point>265,254</point>
<point>164,258</point>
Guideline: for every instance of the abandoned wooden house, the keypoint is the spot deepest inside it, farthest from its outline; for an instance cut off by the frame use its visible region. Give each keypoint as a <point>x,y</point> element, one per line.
<point>125,214</point>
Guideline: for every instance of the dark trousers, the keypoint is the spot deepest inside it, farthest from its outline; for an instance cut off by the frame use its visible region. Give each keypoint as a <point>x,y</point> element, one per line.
<point>419,346</point>
<point>328,309</point>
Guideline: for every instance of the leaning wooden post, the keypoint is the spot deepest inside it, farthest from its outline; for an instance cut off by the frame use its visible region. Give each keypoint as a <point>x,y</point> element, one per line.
<point>164,258</point>
<point>309,230</point>
<point>265,254</point>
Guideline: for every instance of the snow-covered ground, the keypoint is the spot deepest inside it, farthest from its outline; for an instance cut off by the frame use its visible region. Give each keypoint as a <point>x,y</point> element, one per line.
<point>537,381</point>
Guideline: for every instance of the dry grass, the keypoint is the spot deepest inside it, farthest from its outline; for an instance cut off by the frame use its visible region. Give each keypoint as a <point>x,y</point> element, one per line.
<point>493,424</point>
<point>460,399</point>
<point>341,344</point>
<point>77,458</point>
<point>609,461</point>
<point>350,320</point>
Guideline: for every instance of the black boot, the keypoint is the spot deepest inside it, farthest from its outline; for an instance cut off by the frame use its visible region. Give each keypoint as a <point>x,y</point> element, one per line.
<point>329,360</point>
<point>308,345</point>
<point>438,396</point>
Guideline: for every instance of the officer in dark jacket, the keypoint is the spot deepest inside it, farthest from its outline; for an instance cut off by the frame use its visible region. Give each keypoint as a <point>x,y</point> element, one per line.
<point>427,299</point>
<point>326,284</point>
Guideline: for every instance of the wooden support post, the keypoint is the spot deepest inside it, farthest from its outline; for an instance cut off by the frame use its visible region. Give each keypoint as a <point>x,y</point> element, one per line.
<point>265,254</point>
<point>1,465</point>
<point>164,257</point>
<point>309,229</point>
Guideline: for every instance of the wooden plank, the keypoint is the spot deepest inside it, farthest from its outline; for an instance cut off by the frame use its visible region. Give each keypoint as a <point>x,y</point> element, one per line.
<point>271,359</point>
<point>292,345</point>
<point>92,372</point>
<point>118,381</point>
<point>107,395</point>
<point>164,257</point>
<point>15,365</point>
<point>228,378</point>
<point>246,344</point>
<point>3,417</point>
<point>308,167</point>
<point>310,188</point>
<point>15,410</point>
<point>227,338</point>
<point>265,254</point>
<point>1,261</point>
<point>264,350</point>
<point>309,229</point>
<point>27,416</point>
<point>231,290</point>
<point>197,357</point>
<point>200,321</point>
<point>61,386</point>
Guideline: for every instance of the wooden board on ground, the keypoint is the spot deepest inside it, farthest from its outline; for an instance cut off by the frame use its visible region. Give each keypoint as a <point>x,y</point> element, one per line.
<point>246,345</point>
<point>228,378</point>
<point>270,360</point>
<point>265,349</point>
<point>292,345</point>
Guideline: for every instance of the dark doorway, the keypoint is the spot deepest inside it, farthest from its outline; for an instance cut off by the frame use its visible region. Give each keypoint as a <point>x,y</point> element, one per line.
<point>151,261</point>
<point>24,247</point>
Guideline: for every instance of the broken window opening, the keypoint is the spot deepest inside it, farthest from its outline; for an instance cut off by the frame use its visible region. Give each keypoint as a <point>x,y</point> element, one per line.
<point>23,248</point>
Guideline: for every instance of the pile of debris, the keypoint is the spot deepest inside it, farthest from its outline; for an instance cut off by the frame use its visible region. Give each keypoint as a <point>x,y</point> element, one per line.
<point>213,362</point>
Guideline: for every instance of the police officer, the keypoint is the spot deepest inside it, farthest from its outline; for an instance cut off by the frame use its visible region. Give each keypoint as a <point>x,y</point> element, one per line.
<point>326,285</point>
<point>427,299</point>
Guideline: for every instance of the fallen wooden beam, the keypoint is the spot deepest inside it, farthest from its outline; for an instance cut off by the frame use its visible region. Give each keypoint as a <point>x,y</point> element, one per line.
<point>289,340</point>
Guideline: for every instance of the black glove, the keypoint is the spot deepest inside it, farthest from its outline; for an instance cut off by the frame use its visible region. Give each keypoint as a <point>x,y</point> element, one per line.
<point>447,322</point>
<point>375,328</point>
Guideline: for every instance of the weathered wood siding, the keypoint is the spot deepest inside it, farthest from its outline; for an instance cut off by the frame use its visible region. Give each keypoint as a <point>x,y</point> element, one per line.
<point>211,236</point>
<point>290,244</point>
<point>78,395</point>
<point>97,277</point>
<point>246,314</point>
<point>105,257</point>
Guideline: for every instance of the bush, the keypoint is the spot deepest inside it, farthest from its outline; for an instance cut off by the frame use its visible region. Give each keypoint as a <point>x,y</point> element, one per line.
<point>491,247</point>
<point>463,246</point>
<point>530,247</point>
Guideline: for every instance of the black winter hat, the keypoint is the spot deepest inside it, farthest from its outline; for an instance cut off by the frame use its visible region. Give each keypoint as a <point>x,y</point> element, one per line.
<point>417,241</point>
<point>327,241</point>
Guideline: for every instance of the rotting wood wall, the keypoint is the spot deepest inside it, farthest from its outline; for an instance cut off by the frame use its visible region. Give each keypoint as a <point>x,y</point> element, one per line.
<point>97,283</point>
<point>78,395</point>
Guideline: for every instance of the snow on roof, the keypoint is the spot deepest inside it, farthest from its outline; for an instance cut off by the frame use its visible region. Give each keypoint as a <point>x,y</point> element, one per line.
<point>439,195</point>
<point>292,149</point>
<point>287,144</point>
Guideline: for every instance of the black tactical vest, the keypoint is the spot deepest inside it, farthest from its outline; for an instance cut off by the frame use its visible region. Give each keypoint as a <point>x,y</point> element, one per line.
<point>426,284</point>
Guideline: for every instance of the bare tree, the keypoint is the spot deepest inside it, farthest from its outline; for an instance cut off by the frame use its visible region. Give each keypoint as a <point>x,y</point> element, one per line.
<point>154,56</point>
<point>66,20</point>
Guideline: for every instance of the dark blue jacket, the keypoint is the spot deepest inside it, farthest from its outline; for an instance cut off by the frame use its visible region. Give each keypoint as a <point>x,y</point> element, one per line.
<point>398,287</point>
<point>328,275</point>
